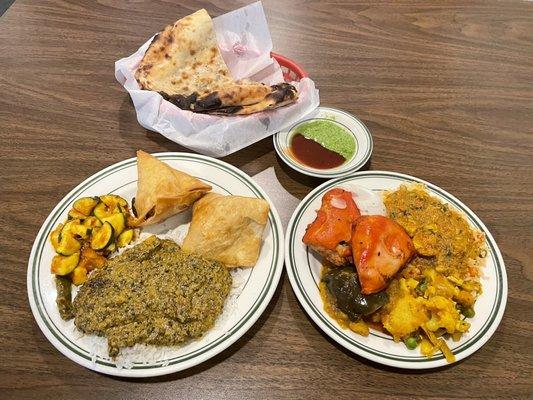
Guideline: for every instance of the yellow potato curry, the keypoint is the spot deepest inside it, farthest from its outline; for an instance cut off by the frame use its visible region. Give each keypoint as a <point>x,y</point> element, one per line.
<point>437,289</point>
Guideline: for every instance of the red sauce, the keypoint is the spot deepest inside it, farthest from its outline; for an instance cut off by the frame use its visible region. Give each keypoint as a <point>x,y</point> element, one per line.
<point>312,154</point>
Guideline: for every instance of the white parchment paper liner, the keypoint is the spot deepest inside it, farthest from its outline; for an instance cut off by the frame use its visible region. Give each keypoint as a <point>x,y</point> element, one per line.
<point>284,201</point>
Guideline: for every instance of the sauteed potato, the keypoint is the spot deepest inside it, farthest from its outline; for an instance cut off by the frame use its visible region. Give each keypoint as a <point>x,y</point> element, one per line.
<point>436,291</point>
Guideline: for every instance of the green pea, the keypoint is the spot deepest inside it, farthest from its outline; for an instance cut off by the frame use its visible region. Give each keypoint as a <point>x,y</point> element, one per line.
<point>411,343</point>
<point>422,287</point>
<point>469,312</point>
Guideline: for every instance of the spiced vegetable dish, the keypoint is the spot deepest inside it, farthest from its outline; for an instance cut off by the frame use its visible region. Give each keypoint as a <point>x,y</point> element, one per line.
<point>436,291</point>
<point>413,273</point>
<point>154,294</point>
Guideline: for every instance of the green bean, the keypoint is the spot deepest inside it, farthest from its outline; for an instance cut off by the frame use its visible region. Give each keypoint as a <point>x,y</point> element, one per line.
<point>468,312</point>
<point>64,297</point>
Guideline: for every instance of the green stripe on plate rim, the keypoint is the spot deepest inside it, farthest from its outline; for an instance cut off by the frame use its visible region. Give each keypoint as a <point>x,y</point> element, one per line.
<point>338,332</point>
<point>279,147</point>
<point>41,241</point>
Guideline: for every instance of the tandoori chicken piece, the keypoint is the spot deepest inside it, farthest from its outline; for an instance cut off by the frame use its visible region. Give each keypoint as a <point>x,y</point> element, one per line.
<point>331,232</point>
<point>380,248</point>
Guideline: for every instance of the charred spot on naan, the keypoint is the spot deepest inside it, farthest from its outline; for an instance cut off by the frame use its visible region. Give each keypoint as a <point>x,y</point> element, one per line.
<point>280,95</point>
<point>283,92</point>
<point>209,102</point>
<point>183,102</point>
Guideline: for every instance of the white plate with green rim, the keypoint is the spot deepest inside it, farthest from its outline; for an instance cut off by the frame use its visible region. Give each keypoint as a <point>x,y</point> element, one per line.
<point>303,268</point>
<point>258,283</point>
<point>353,126</point>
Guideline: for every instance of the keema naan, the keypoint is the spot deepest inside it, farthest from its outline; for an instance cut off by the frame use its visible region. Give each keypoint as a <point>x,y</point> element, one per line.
<point>228,229</point>
<point>163,191</point>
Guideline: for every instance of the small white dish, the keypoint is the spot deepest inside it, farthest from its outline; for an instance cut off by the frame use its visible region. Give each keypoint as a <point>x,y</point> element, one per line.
<point>361,135</point>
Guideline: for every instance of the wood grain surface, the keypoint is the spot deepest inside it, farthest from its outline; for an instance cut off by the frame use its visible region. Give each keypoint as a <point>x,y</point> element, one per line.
<point>446,88</point>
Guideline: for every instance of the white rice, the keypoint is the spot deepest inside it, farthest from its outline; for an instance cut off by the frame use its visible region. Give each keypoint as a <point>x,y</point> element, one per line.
<point>150,354</point>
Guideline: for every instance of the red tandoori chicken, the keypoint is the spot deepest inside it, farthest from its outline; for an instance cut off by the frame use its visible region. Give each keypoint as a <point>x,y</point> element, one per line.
<point>377,245</point>
<point>380,247</point>
<point>331,232</point>
<point>414,275</point>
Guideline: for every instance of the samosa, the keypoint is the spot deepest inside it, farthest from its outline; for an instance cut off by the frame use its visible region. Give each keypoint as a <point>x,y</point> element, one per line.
<point>163,191</point>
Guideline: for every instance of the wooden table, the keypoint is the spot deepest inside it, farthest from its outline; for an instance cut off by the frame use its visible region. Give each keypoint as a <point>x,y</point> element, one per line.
<point>446,90</point>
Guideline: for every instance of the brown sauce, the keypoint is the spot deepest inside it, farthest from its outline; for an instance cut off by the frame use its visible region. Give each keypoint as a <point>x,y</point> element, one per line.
<point>312,154</point>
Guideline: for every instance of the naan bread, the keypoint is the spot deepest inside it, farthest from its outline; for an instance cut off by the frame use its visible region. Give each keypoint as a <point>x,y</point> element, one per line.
<point>163,191</point>
<point>228,229</point>
<point>280,96</point>
<point>184,64</point>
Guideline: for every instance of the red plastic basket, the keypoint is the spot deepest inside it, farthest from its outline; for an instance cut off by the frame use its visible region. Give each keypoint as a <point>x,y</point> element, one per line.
<point>291,70</point>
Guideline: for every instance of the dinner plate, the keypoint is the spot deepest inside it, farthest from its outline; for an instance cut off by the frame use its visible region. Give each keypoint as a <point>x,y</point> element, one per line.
<point>303,267</point>
<point>351,124</point>
<point>258,283</point>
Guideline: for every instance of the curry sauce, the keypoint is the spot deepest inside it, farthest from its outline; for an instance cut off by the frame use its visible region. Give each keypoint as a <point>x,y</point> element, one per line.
<point>442,236</point>
<point>434,294</point>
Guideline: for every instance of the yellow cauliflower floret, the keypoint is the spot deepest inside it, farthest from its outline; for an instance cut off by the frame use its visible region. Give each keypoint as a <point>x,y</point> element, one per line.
<point>455,280</point>
<point>443,314</point>
<point>465,298</point>
<point>427,348</point>
<point>443,287</point>
<point>411,283</point>
<point>404,314</point>
<point>430,274</point>
<point>462,326</point>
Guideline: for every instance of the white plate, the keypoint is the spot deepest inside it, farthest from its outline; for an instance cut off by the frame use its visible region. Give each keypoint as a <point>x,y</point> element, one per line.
<point>303,268</point>
<point>360,133</point>
<point>121,179</point>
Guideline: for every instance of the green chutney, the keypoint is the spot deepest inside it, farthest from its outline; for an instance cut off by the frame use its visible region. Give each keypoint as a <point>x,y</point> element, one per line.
<point>330,136</point>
